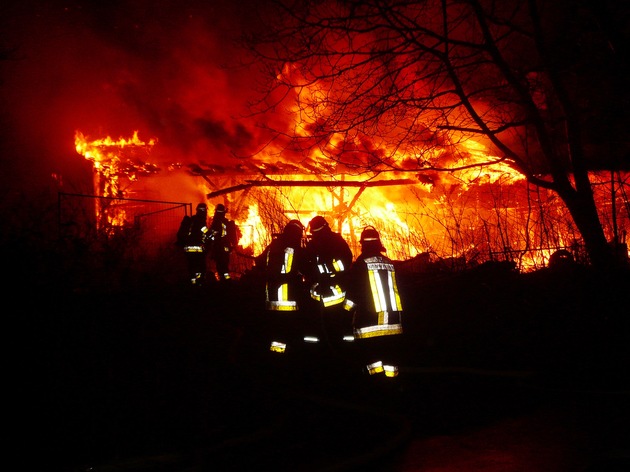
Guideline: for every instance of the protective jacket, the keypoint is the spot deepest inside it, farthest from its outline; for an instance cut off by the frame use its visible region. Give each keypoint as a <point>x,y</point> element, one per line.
<point>198,234</point>
<point>224,237</point>
<point>284,267</point>
<point>330,257</point>
<point>373,297</point>
<point>193,236</point>
<point>284,264</point>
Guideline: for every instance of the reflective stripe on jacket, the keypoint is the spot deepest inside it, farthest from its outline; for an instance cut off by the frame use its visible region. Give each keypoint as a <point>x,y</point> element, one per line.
<point>375,298</point>
<point>277,295</point>
<point>334,293</point>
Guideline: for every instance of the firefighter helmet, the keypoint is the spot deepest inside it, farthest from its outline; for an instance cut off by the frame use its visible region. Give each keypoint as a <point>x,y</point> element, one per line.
<point>294,230</point>
<point>294,225</point>
<point>202,207</point>
<point>220,208</point>
<point>317,224</point>
<point>371,239</point>
<point>369,233</point>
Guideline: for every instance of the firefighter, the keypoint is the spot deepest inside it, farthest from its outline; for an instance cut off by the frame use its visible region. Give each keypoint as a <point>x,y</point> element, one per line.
<point>284,266</point>
<point>193,236</point>
<point>329,259</point>
<point>224,237</point>
<point>373,299</point>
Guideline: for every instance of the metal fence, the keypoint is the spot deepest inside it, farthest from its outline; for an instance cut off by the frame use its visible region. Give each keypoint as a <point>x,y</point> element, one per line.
<point>133,228</point>
<point>144,225</point>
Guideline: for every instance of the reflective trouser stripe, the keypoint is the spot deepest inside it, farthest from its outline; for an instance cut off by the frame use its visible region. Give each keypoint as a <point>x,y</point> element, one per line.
<point>282,305</point>
<point>378,330</point>
<point>277,346</point>
<point>375,368</point>
<point>193,249</point>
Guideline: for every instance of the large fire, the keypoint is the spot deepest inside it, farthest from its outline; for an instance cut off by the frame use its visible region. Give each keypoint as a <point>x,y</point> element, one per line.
<point>465,217</point>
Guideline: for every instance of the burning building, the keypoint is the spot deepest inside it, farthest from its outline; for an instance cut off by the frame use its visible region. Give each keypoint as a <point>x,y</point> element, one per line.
<point>466,217</point>
<point>173,74</point>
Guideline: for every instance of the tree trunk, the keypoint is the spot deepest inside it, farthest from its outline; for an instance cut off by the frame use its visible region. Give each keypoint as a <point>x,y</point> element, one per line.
<point>582,207</point>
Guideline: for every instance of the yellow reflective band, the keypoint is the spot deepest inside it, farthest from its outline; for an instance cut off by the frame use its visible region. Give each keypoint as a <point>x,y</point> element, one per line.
<point>390,370</point>
<point>348,305</point>
<point>283,293</point>
<point>378,330</point>
<point>375,368</point>
<point>277,347</point>
<point>282,305</point>
<point>336,298</point>
<point>193,249</point>
<point>394,296</point>
<point>338,265</point>
<point>378,307</point>
<point>288,260</point>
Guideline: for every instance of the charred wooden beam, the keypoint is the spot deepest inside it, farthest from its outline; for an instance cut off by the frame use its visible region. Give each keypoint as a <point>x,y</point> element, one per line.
<point>311,183</point>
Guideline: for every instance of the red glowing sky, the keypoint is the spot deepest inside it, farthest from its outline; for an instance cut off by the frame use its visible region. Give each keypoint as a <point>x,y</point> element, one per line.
<point>155,67</point>
<point>108,69</point>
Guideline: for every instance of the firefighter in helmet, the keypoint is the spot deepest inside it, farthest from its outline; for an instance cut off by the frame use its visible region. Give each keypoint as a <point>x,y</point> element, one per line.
<point>284,266</point>
<point>329,259</point>
<point>224,237</point>
<point>373,299</point>
<point>193,236</point>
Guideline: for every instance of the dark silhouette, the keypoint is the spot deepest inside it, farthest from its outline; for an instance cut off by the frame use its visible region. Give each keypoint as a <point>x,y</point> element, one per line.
<point>373,299</point>
<point>284,264</point>
<point>193,236</point>
<point>329,258</point>
<point>224,237</point>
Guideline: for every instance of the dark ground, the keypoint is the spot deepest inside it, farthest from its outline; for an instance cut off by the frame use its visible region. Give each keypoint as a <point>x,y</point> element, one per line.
<point>500,371</point>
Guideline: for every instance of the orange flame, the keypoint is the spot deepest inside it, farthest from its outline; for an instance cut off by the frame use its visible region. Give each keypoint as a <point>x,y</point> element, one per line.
<point>475,214</point>
<point>113,162</point>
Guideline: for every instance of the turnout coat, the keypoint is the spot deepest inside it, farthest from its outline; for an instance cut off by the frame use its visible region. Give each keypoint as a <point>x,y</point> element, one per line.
<point>372,295</point>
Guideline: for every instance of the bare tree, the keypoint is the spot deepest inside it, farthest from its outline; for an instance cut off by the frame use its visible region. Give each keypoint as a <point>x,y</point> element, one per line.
<point>405,86</point>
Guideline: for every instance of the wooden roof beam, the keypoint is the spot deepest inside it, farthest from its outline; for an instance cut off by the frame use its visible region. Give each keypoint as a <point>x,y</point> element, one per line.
<point>311,183</point>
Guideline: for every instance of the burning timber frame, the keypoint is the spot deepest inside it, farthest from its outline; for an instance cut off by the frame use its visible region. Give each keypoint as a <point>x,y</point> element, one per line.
<point>347,208</point>
<point>312,183</point>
